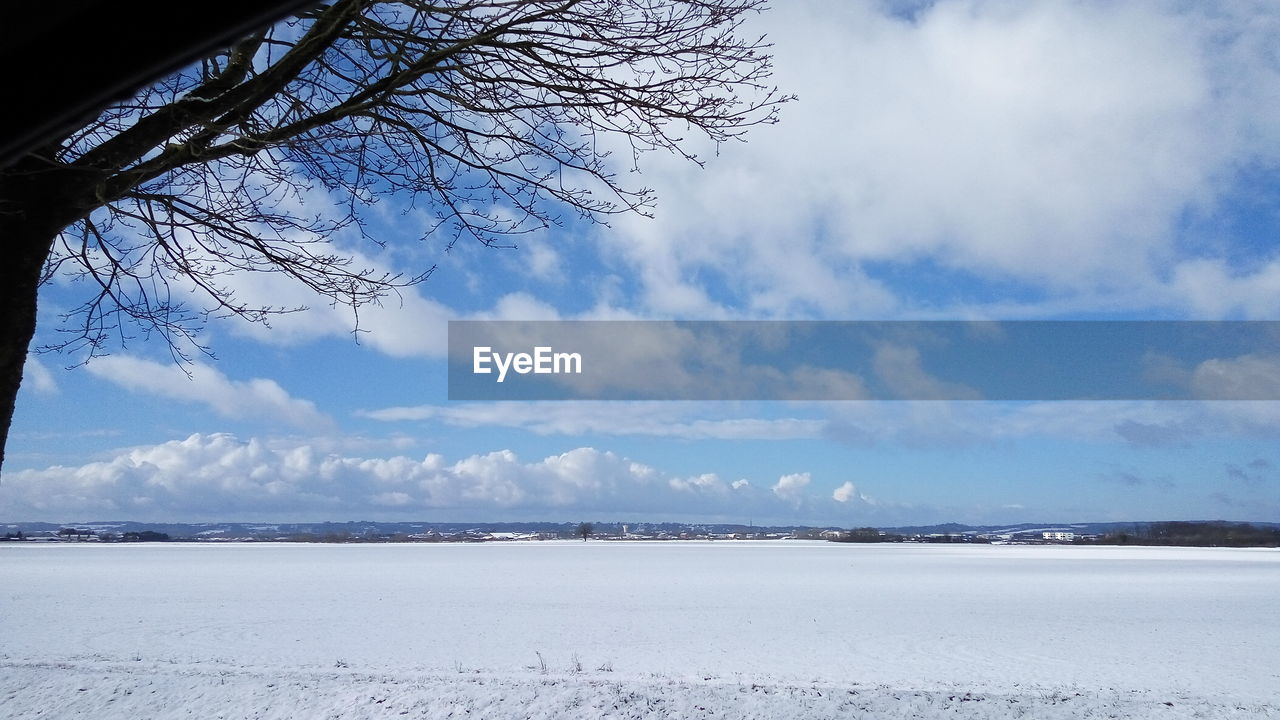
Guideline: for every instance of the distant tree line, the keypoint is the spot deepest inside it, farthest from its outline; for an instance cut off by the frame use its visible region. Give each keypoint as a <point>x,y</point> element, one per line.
<point>145,536</point>
<point>139,536</point>
<point>867,535</point>
<point>1195,534</point>
<point>875,535</point>
<point>1187,534</point>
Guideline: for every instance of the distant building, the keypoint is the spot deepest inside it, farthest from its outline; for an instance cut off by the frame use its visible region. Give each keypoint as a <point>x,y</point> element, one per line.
<point>1057,536</point>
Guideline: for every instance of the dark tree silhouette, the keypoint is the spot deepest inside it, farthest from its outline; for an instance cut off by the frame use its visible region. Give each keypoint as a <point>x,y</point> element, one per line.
<point>584,530</point>
<point>493,113</point>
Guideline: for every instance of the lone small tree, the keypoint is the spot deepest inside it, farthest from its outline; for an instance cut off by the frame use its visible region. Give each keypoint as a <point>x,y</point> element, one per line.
<point>493,113</point>
<point>585,529</point>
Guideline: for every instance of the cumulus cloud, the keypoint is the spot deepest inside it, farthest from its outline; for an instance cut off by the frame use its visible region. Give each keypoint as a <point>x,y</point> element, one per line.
<point>792,487</point>
<point>707,482</point>
<point>237,399</point>
<point>845,492</point>
<point>222,477</point>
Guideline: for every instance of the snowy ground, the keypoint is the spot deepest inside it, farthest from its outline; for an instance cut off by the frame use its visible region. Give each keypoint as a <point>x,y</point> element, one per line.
<point>637,630</point>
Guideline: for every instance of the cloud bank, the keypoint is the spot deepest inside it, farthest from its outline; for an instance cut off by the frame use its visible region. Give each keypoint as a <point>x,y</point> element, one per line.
<point>221,477</point>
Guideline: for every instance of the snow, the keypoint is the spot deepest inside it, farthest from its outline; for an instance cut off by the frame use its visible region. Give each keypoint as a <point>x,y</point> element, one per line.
<point>677,629</point>
<point>159,693</point>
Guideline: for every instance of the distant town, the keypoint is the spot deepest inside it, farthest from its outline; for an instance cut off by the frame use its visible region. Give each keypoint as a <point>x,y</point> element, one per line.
<point>1206,534</point>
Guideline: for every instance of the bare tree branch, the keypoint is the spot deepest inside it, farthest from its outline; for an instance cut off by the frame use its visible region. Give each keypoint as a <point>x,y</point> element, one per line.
<point>492,113</point>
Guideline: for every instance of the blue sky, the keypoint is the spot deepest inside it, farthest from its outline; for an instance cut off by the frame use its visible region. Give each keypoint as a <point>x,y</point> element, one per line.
<point>957,160</point>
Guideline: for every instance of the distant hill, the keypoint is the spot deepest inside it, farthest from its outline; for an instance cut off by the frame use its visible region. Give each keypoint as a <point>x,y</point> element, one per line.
<point>1085,528</point>
<point>357,529</point>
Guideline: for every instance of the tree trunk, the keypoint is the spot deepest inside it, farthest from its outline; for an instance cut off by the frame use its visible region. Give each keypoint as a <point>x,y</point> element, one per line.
<point>19,279</point>
<point>36,203</point>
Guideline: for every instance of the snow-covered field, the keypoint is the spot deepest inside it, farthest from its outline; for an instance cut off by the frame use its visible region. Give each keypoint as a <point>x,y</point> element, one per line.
<point>637,630</point>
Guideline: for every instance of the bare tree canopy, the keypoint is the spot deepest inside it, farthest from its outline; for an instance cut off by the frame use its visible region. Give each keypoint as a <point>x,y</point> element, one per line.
<point>491,113</point>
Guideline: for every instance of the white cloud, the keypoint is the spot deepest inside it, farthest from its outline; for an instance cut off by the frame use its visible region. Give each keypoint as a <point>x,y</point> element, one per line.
<point>706,482</point>
<point>222,477</point>
<point>943,424</point>
<point>403,324</point>
<point>1053,146</point>
<point>665,419</point>
<point>911,423</point>
<point>1210,288</point>
<point>38,377</point>
<point>792,487</point>
<point>518,306</point>
<point>237,399</point>
<point>1058,145</point>
<point>845,492</point>
<point>543,262</point>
